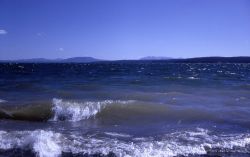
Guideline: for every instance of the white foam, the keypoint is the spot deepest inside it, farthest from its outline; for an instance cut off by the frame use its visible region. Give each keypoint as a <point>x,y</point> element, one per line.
<point>193,78</point>
<point>2,101</point>
<point>44,143</point>
<point>232,141</point>
<point>114,134</point>
<point>51,144</point>
<point>76,111</point>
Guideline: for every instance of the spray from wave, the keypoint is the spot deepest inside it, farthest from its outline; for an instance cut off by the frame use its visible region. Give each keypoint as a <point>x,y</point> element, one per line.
<point>73,111</point>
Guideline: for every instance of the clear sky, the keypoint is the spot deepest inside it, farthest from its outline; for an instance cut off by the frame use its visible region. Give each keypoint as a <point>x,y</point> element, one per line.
<point>124,29</point>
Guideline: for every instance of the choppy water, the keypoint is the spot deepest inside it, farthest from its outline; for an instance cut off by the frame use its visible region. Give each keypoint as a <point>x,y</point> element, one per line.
<point>125,109</point>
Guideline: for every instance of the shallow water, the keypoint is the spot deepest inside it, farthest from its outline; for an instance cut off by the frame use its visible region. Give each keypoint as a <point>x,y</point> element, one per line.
<point>132,108</point>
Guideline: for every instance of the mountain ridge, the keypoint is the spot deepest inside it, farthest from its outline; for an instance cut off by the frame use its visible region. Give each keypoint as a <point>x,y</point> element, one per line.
<point>59,60</point>
<point>215,59</point>
<point>155,58</point>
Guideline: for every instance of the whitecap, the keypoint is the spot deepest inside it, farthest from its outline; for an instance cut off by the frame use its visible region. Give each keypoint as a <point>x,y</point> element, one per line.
<point>76,111</point>
<point>2,101</point>
<point>114,134</point>
<point>193,78</point>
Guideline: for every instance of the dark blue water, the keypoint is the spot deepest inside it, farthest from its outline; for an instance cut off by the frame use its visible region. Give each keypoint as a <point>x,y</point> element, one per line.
<point>129,108</point>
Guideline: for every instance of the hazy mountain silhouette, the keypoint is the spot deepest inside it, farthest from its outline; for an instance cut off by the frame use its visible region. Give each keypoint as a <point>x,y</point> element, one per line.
<point>241,59</point>
<point>155,58</point>
<point>80,60</point>
<point>43,60</point>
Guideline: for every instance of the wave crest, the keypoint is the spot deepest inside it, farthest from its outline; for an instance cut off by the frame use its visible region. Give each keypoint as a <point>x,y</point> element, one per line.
<point>76,111</point>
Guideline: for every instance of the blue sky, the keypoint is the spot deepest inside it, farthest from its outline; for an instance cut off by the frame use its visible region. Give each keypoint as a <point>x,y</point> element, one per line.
<point>124,29</point>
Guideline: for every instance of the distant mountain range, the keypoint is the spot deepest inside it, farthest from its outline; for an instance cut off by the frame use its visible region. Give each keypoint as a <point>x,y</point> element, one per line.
<point>43,60</point>
<point>241,59</point>
<point>145,59</point>
<point>155,58</point>
<point>80,60</point>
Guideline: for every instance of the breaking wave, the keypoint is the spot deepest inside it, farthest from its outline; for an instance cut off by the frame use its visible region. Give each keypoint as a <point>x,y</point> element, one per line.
<point>198,142</point>
<point>59,110</point>
<point>73,111</point>
<point>130,111</point>
<point>110,111</point>
<point>76,111</point>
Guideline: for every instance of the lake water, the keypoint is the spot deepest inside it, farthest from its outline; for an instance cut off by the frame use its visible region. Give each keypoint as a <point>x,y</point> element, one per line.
<point>125,108</point>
